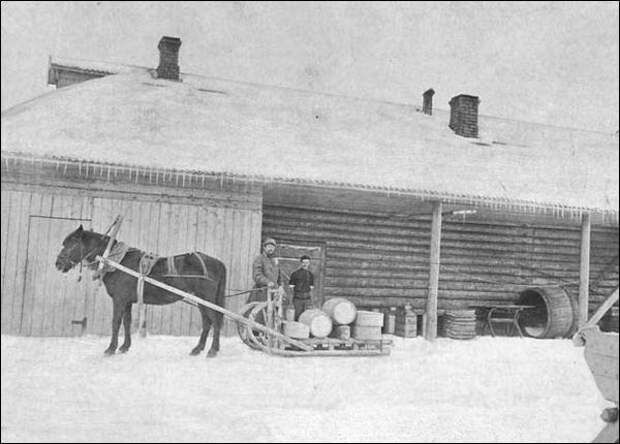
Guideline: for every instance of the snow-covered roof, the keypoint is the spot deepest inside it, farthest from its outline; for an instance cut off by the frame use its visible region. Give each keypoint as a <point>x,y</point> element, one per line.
<point>222,126</point>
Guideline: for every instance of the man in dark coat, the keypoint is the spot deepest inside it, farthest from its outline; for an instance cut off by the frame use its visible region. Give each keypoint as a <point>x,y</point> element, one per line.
<point>302,282</point>
<point>265,271</point>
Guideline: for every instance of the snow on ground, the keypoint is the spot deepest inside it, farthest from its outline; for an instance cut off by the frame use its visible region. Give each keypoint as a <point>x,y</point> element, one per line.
<point>485,390</point>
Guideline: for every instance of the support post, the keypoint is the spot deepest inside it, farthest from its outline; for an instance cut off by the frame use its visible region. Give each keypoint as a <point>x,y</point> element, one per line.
<point>430,328</point>
<point>584,271</point>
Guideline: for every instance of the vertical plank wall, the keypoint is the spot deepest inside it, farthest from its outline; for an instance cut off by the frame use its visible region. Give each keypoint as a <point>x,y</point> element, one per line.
<point>230,234</point>
<point>36,298</point>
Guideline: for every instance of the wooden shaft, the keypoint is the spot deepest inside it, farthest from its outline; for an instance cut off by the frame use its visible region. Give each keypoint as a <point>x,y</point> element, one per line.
<point>116,226</point>
<point>208,304</point>
<point>430,332</point>
<point>584,271</point>
<point>611,300</point>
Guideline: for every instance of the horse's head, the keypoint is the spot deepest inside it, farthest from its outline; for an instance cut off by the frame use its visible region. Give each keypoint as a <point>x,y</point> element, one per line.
<point>75,248</point>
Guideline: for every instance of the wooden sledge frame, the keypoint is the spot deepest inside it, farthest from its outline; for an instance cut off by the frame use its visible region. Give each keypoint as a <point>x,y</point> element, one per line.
<point>319,346</point>
<point>301,348</point>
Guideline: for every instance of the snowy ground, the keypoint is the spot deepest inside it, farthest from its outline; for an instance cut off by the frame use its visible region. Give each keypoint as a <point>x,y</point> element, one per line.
<point>493,390</point>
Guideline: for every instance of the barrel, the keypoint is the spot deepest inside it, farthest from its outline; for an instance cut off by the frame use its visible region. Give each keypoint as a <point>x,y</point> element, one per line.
<point>367,326</point>
<point>296,330</point>
<point>318,322</point>
<point>341,310</point>
<point>552,315</point>
<point>369,318</point>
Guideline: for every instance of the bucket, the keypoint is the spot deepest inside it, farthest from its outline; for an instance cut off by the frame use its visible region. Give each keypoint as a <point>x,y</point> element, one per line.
<point>341,310</point>
<point>318,322</point>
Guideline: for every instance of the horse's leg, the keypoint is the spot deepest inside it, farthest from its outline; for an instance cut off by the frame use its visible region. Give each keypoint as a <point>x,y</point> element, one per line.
<point>215,344</point>
<point>127,327</point>
<point>117,314</point>
<point>206,325</point>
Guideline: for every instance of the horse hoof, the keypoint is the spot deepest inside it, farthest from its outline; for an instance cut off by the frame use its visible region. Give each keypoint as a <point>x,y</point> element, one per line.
<point>123,349</point>
<point>109,352</point>
<point>195,352</point>
<point>212,354</point>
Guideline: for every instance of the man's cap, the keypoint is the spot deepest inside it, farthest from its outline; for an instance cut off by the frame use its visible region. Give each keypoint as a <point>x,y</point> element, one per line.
<point>268,241</point>
<point>305,256</point>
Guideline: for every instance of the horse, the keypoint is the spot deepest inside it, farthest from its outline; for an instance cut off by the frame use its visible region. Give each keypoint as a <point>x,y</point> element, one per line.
<point>198,274</point>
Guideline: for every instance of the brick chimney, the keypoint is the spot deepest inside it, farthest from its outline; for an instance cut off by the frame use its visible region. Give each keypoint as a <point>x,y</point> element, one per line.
<point>427,101</point>
<point>464,115</point>
<point>168,58</point>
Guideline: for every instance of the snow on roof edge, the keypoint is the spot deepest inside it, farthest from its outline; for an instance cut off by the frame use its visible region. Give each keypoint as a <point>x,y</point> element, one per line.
<point>525,206</point>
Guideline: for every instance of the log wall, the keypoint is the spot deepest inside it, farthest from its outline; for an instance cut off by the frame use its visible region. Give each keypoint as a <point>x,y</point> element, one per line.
<point>383,260</point>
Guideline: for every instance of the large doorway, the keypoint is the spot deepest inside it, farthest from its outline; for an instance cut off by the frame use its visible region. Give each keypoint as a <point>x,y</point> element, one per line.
<point>54,304</point>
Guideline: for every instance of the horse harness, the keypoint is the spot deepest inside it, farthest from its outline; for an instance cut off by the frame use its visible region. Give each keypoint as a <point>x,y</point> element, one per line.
<point>146,264</point>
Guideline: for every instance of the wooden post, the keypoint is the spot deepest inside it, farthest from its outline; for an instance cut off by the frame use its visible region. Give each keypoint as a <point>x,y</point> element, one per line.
<point>584,271</point>
<point>430,328</point>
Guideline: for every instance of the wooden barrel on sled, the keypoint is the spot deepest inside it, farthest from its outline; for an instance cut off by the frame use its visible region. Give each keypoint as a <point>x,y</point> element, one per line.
<point>319,323</point>
<point>367,326</point>
<point>295,330</point>
<point>341,310</point>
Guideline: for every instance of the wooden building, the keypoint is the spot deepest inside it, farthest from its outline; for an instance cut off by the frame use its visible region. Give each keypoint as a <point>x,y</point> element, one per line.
<point>198,163</point>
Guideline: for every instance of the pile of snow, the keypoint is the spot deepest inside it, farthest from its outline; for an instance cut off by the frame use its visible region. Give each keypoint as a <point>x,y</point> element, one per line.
<point>488,389</point>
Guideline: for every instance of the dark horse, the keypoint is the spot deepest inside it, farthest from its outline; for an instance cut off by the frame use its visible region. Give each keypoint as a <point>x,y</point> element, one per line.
<point>83,245</point>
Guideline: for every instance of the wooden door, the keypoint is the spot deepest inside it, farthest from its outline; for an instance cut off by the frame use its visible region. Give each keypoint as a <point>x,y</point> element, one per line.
<point>55,304</point>
<point>288,255</point>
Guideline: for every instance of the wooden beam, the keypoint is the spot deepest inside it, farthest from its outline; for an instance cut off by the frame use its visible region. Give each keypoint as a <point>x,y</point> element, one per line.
<point>584,271</point>
<point>430,330</point>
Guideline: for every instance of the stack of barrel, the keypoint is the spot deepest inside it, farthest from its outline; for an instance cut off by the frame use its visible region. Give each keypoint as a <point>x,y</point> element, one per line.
<point>318,322</point>
<point>342,312</point>
<point>459,324</point>
<point>339,319</point>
